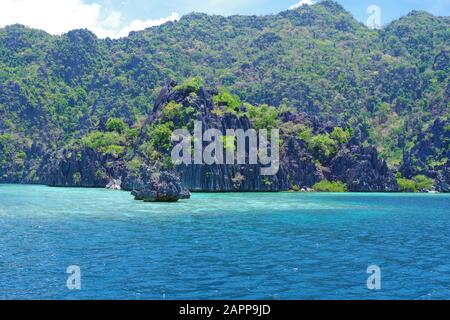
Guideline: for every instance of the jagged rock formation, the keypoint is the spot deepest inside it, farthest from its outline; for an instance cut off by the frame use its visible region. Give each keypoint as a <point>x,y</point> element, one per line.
<point>216,177</point>
<point>80,168</point>
<point>160,187</point>
<point>430,155</point>
<point>359,167</point>
<point>57,94</point>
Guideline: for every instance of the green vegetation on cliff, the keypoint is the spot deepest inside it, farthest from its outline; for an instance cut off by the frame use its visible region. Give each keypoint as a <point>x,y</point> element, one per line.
<point>390,84</point>
<point>330,186</point>
<point>416,184</point>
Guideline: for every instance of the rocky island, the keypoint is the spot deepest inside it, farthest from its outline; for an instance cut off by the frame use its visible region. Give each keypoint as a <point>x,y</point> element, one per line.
<point>353,114</point>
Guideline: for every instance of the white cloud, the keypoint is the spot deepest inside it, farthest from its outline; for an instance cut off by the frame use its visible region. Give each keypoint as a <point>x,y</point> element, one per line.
<point>222,7</point>
<point>300,3</point>
<point>137,25</point>
<point>53,16</point>
<point>57,17</point>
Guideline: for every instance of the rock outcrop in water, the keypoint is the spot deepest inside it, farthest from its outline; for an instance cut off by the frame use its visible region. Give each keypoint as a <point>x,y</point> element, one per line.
<point>216,177</point>
<point>114,184</point>
<point>160,187</point>
<point>359,167</point>
<point>57,94</point>
<point>156,179</point>
<point>83,167</point>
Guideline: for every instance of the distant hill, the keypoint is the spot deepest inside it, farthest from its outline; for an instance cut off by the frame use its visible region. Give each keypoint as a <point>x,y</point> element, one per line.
<point>391,84</point>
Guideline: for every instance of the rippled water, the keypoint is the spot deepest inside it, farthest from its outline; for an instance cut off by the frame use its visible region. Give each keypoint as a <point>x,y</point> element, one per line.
<point>222,246</point>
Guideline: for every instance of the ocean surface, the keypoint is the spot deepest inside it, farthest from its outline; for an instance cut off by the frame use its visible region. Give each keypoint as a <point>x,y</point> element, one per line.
<point>222,246</point>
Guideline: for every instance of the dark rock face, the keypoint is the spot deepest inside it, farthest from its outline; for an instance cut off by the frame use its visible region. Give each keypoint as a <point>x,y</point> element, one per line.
<point>357,166</point>
<point>443,180</point>
<point>442,61</point>
<point>230,178</point>
<point>361,169</point>
<point>161,187</point>
<point>217,177</point>
<point>223,177</point>
<point>83,168</point>
<point>430,155</point>
<point>297,164</point>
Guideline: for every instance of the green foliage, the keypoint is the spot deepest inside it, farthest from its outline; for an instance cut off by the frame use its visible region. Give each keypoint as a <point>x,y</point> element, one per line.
<point>6,138</point>
<point>160,136</point>
<point>134,164</point>
<point>262,117</point>
<point>418,183</point>
<point>406,185</point>
<point>267,181</point>
<point>132,134</point>
<point>172,110</point>
<point>229,143</point>
<point>330,186</point>
<point>116,124</point>
<point>100,174</point>
<point>423,183</point>
<point>231,102</point>
<point>435,164</point>
<point>383,111</point>
<point>322,146</point>
<point>191,85</point>
<point>390,84</point>
<point>447,128</point>
<point>305,134</point>
<point>114,150</point>
<point>12,155</point>
<point>176,113</point>
<point>104,142</point>
<point>340,135</point>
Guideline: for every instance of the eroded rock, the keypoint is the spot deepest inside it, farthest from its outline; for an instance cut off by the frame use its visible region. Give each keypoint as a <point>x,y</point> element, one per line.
<point>162,187</point>
<point>114,184</point>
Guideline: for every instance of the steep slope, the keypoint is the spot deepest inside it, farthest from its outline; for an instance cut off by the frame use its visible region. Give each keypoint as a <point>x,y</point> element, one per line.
<point>309,152</point>
<point>317,59</point>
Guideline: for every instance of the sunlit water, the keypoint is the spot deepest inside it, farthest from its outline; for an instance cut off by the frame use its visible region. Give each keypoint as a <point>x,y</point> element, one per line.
<point>222,246</point>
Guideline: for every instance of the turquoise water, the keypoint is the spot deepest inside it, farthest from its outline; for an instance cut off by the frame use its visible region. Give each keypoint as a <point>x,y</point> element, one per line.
<point>222,246</point>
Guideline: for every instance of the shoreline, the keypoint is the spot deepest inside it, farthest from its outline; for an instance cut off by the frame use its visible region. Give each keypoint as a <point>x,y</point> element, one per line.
<point>229,192</point>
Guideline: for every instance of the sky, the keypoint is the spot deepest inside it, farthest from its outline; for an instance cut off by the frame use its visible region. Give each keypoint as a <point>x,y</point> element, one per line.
<point>116,18</point>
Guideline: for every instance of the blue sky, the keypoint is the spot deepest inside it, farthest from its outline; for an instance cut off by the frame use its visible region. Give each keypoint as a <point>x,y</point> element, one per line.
<point>151,9</point>
<point>116,18</point>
